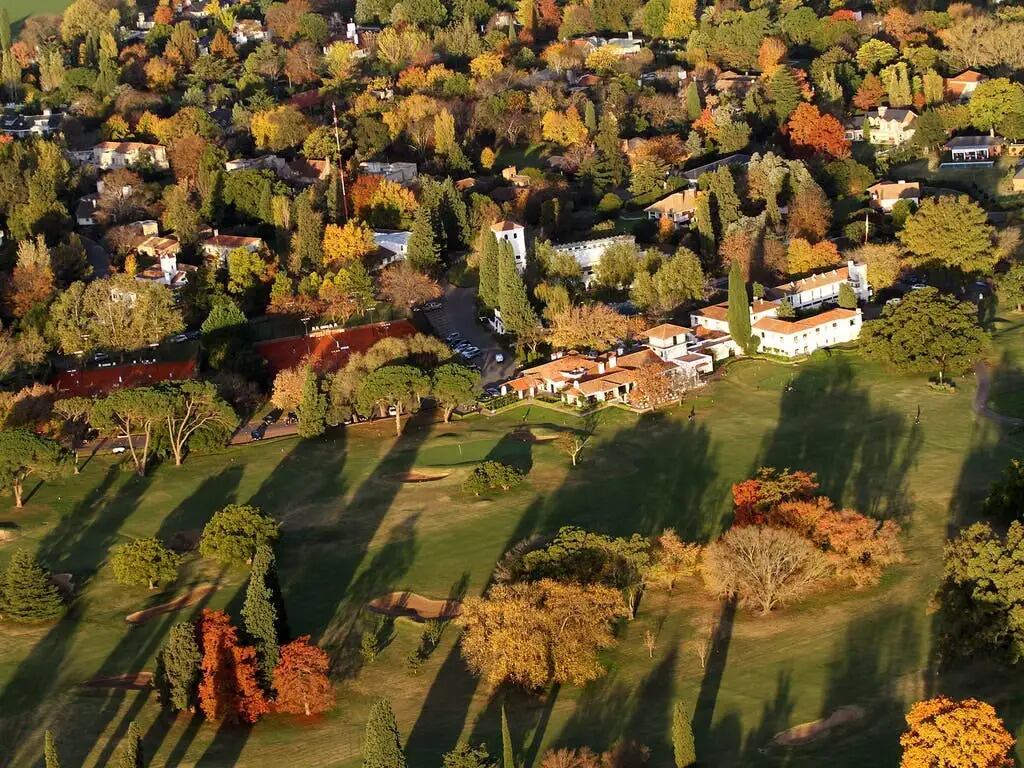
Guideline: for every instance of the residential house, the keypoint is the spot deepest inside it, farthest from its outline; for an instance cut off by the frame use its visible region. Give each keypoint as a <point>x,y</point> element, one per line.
<point>678,207</point>
<point>588,253</point>
<point>85,211</point>
<point>157,247</point>
<point>219,246</point>
<point>961,87</point>
<point>22,126</point>
<point>693,175</point>
<point>621,46</point>
<point>801,335</point>
<point>887,126</point>
<point>678,344</point>
<point>1018,180</point>
<point>735,83</point>
<point>579,379</point>
<point>974,149</point>
<point>167,272</point>
<point>514,234</point>
<point>885,194</point>
<point>401,173</point>
<point>124,154</point>
<point>392,245</point>
<point>248,31</point>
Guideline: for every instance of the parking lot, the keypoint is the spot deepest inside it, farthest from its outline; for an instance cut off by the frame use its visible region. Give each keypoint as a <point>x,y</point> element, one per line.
<point>457,314</point>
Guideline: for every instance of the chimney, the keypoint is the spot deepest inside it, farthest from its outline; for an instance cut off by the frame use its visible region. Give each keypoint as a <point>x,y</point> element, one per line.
<point>629,35</point>
<point>600,367</point>
<point>613,361</point>
<point>216,232</point>
<point>881,111</point>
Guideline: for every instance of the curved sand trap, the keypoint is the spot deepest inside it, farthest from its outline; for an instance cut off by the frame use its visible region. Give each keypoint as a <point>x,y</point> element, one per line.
<point>414,606</point>
<point>807,732</point>
<point>7,533</point>
<point>525,435</point>
<point>420,477</point>
<point>137,682</point>
<point>190,598</point>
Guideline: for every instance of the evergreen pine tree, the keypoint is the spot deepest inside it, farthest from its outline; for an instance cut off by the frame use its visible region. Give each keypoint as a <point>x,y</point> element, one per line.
<point>383,745</point>
<point>131,749</point>
<point>508,759</point>
<point>590,116</point>
<point>682,737</point>
<point>739,308</point>
<point>335,209</point>
<point>179,667</point>
<point>517,313</point>
<point>723,186</point>
<point>260,614</point>
<point>423,253</point>
<point>784,92</point>
<point>26,592</point>
<point>487,265</point>
<point>705,226</point>
<point>609,148</point>
<point>50,756</point>
<point>692,101</point>
<point>312,410</point>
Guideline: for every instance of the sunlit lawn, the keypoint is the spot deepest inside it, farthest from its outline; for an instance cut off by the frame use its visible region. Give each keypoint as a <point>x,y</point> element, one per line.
<point>352,530</point>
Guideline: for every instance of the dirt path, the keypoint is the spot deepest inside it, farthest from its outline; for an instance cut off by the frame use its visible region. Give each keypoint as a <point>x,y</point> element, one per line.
<point>983,372</point>
<point>414,606</point>
<point>137,682</point>
<point>190,598</point>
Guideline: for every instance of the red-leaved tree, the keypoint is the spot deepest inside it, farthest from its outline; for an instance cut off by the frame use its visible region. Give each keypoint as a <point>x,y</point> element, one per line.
<point>229,688</point>
<point>754,499</point>
<point>300,679</point>
<point>811,132</point>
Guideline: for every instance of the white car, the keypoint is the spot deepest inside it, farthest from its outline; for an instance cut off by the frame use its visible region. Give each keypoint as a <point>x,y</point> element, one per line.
<point>118,450</point>
<point>499,358</point>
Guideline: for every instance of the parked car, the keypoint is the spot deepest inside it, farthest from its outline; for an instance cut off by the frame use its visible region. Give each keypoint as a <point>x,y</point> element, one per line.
<point>291,418</point>
<point>499,357</point>
<point>259,432</point>
<point>492,390</point>
<point>893,302</point>
<point>179,338</point>
<point>453,336</point>
<point>432,305</point>
<point>918,287</point>
<point>118,449</point>
<point>470,353</point>
<point>273,416</point>
<point>392,410</point>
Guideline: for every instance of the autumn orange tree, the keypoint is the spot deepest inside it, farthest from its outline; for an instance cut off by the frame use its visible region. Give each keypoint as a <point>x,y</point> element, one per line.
<point>812,132</point>
<point>300,679</point>
<point>955,734</point>
<point>230,688</point>
<point>754,499</point>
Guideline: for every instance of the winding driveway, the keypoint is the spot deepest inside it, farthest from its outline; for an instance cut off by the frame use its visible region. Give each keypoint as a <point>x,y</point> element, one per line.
<point>983,372</point>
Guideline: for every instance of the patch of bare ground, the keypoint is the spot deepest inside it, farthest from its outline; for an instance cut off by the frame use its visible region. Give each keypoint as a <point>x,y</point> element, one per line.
<point>413,606</point>
<point>189,598</point>
<point>808,732</point>
<point>136,682</point>
<point>412,476</point>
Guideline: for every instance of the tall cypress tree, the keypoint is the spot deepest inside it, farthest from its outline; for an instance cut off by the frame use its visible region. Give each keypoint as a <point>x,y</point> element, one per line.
<point>260,614</point>
<point>692,101</point>
<point>508,759</point>
<point>26,592</point>
<point>50,756</point>
<point>608,148</point>
<point>423,252</point>
<point>383,745</point>
<point>517,313</point>
<point>178,673</point>
<point>739,308</point>
<point>312,410</point>
<point>131,749</point>
<point>682,738</point>
<point>487,265</point>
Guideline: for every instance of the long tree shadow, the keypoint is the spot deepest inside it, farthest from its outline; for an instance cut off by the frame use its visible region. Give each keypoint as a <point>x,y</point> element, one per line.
<point>78,544</point>
<point>870,446</point>
<point>711,682</point>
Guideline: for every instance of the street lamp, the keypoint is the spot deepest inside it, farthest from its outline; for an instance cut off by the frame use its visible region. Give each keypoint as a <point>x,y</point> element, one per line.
<point>305,330</point>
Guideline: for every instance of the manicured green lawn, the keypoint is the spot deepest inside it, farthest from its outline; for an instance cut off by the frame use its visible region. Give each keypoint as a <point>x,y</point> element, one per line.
<point>1006,394</point>
<point>352,530</point>
<point>19,10</point>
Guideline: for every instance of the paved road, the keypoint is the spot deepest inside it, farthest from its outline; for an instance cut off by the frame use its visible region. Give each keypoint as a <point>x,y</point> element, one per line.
<point>980,405</point>
<point>459,314</point>
<point>98,257</point>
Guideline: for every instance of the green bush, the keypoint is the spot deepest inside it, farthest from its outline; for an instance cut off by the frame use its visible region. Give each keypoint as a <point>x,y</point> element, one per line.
<point>492,476</point>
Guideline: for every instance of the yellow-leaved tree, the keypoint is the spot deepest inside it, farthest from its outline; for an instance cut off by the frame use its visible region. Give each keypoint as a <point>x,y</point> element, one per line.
<point>352,240</point>
<point>955,734</point>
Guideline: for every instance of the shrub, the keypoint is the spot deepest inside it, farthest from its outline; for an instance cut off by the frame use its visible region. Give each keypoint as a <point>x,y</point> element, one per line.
<point>492,476</point>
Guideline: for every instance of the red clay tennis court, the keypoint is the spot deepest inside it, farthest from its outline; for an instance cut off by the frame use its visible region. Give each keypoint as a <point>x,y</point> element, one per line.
<point>329,350</point>
<point>97,381</point>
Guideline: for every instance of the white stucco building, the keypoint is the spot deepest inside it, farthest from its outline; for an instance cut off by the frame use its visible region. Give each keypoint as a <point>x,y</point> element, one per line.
<point>507,231</point>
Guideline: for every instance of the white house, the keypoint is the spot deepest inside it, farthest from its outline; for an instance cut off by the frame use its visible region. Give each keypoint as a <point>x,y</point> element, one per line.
<point>679,207</point>
<point>400,173</point>
<point>219,246</point>
<point>21,126</point>
<point>885,194</point>
<point>123,154</point>
<point>167,272</point>
<point>393,245</point>
<point>248,31</point>
<point>514,234</point>
<point>974,149</point>
<point>799,336</point>
<point>588,253</point>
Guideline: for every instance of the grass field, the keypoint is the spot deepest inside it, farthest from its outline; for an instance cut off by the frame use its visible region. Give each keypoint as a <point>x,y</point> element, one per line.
<point>352,531</point>
<point>20,10</point>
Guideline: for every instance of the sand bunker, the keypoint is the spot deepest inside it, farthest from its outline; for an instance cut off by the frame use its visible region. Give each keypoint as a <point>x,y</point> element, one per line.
<point>414,606</point>
<point>137,682</point>
<point>807,732</point>
<point>191,598</point>
<point>420,477</point>
<point>528,436</point>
